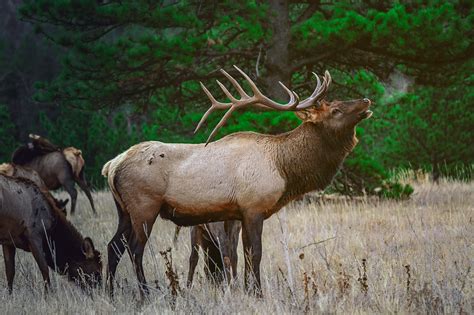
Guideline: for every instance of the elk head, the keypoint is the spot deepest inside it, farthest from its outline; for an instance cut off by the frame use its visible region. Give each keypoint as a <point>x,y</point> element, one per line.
<point>87,272</point>
<point>336,115</point>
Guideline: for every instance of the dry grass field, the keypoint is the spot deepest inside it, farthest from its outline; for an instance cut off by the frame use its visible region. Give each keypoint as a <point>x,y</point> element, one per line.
<point>413,256</point>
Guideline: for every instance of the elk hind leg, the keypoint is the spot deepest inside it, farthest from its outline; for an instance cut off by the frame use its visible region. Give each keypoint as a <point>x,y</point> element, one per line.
<point>136,249</point>
<point>142,225</point>
<point>68,184</point>
<point>9,257</point>
<point>116,246</point>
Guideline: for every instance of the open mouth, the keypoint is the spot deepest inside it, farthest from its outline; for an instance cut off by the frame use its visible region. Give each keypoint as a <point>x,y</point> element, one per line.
<point>366,114</point>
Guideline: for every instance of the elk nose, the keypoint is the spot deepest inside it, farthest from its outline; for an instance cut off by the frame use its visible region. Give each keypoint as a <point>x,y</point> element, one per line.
<point>366,100</point>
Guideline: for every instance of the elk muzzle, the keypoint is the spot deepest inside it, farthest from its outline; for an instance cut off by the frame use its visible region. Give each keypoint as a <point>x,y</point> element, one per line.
<point>362,108</point>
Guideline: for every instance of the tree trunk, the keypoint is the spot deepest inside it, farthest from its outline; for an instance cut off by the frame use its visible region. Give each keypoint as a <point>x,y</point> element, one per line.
<point>435,172</point>
<point>277,55</point>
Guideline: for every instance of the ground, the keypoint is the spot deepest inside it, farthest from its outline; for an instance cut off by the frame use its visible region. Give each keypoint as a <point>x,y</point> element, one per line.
<point>364,256</point>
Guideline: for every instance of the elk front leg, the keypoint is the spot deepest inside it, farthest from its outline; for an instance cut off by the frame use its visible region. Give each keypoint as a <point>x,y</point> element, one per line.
<point>233,231</point>
<point>36,248</point>
<point>194,256</point>
<point>252,227</point>
<point>9,257</point>
<point>193,260</point>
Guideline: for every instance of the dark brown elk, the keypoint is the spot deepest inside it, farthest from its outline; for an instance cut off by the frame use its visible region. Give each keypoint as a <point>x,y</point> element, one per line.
<point>57,168</point>
<point>244,176</point>
<point>219,241</point>
<point>30,220</point>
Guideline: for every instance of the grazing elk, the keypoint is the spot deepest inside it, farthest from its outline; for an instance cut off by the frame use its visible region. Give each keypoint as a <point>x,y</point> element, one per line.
<point>244,176</point>
<point>219,241</point>
<point>30,220</point>
<point>58,168</point>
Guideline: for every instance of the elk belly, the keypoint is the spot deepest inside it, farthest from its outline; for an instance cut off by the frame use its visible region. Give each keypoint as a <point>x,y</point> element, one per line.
<point>11,232</point>
<point>188,216</point>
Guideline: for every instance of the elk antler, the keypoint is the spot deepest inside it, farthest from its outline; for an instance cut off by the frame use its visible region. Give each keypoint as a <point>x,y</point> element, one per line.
<point>258,99</point>
<point>319,92</point>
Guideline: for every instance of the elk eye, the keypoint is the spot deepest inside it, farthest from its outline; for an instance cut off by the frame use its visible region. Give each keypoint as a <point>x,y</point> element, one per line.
<point>336,112</point>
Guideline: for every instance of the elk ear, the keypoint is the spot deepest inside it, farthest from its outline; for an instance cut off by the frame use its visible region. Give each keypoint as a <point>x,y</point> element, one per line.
<point>63,203</point>
<point>302,114</point>
<point>88,248</point>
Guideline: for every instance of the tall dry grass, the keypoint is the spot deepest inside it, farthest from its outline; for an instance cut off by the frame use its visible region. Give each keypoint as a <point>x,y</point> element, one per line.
<point>365,256</point>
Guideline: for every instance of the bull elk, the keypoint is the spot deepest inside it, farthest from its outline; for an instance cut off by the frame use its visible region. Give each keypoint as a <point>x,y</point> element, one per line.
<point>244,176</point>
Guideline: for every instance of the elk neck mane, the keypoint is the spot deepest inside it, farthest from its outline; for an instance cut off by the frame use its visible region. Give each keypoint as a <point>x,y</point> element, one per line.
<point>309,156</point>
<point>67,242</point>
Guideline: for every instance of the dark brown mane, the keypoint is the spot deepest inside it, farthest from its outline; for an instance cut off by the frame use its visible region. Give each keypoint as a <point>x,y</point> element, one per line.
<point>325,151</point>
<point>67,242</point>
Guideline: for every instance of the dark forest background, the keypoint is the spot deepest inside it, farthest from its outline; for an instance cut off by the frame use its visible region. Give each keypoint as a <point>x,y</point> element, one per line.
<point>103,75</point>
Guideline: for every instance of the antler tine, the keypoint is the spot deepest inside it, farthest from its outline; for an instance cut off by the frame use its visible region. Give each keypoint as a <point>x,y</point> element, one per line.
<point>233,100</point>
<point>294,98</point>
<point>318,93</point>
<point>327,80</point>
<point>220,124</point>
<point>254,88</point>
<point>214,105</point>
<point>318,85</point>
<point>326,73</point>
<point>235,84</point>
<point>214,102</point>
<point>260,98</point>
<point>204,117</point>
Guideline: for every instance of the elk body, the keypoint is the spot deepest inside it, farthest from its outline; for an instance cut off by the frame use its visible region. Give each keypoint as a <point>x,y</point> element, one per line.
<point>13,170</point>
<point>18,171</point>
<point>30,220</point>
<point>244,176</point>
<point>219,241</point>
<point>57,168</point>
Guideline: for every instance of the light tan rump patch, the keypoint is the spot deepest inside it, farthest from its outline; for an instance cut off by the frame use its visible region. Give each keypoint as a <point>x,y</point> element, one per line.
<point>75,159</point>
<point>7,169</point>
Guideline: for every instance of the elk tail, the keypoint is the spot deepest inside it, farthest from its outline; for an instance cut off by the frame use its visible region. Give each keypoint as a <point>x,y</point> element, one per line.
<point>76,161</point>
<point>109,170</point>
<point>81,181</point>
<point>105,169</point>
